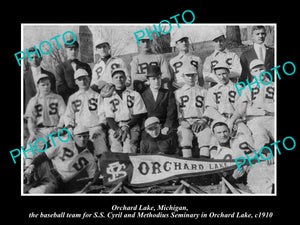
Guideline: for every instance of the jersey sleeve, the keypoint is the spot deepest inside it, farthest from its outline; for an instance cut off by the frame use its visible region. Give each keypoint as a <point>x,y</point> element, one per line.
<point>53,151</point>
<point>139,105</point>
<point>69,115</point>
<point>61,110</point>
<point>29,112</point>
<point>101,111</point>
<point>236,67</point>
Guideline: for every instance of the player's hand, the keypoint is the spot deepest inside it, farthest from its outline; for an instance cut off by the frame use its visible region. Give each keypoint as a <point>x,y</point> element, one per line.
<point>237,174</point>
<point>29,174</point>
<point>118,134</point>
<point>96,131</point>
<point>125,133</point>
<point>198,125</point>
<point>165,130</point>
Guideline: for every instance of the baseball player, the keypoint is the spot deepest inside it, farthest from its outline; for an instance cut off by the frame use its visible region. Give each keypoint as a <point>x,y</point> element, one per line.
<point>67,161</point>
<point>221,55</point>
<point>101,73</point>
<point>140,63</point>
<point>222,103</point>
<point>190,104</point>
<point>227,148</point>
<point>82,109</point>
<point>258,105</point>
<point>44,113</point>
<point>184,57</point>
<point>123,110</point>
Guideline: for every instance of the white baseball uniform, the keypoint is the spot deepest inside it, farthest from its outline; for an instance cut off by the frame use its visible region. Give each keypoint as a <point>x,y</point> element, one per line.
<point>46,112</point>
<point>121,110</point>
<point>68,162</point>
<point>102,70</point>
<point>140,63</point>
<point>260,104</point>
<point>177,65</point>
<point>83,109</point>
<point>221,103</point>
<point>191,105</point>
<point>230,58</point>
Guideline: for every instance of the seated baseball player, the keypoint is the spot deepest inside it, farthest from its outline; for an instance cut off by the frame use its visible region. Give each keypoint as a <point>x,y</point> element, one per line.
<point>82,109</point>
<point>160,102</point>
<point>258,105</point>
<point>140,63</point>
<point>59,167</point>
<point>154,142</point>
<point>222,103</point>
<point>101,73</point>
<point>124,109</point>
<point>44,113</point>
<point>192,122</point>
<point>228,148</point>
<point>184,57</point>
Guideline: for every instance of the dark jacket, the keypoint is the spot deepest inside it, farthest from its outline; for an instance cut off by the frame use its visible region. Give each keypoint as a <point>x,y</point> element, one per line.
<point>65,83</point>
<point>164,108</point>
<point>250,55</point>
<point>30,87</point>
<point>162,144</point>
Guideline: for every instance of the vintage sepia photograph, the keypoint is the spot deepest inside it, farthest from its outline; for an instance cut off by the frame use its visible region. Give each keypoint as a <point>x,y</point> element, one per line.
<point>148,109</point>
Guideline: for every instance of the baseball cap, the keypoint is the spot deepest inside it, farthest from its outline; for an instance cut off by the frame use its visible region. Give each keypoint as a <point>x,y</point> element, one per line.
<point>117,69</point>
<point>79,129</point>
<point>153,71</point>
<point>41,76</point>
<point>221,65</point>
<point>217,34</point>
<point>101,42</point>
<point>189,69</point>
<point>80,73</point>
<point>73,45</point>
<point>255,63</point>
<point>151,122</point>
<point>179,35</point>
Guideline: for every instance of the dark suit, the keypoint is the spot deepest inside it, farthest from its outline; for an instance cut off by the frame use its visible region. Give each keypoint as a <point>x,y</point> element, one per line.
<point>164,108</point>
<point>30,87</point>
<point>250,55</point>
<point>65,83</point>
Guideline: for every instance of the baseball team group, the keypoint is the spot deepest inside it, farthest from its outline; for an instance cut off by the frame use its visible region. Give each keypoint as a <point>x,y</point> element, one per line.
<point>182,107</point>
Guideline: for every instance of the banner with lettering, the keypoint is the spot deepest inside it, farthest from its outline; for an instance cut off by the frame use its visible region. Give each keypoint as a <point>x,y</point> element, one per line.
<point>144,170</point>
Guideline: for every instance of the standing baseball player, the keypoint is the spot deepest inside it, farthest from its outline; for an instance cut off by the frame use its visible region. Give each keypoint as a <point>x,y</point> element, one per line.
<point>123,110</point>
<point>82,109</point>
<point>67,161</point>
<point>224,56</point>
<point>184,57</point>
<point>101,73</point>
<point>222,103</point>
<point>140,63</point>
<point>258,105</point>
<point>190,104</point>
<point>44,113</point>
